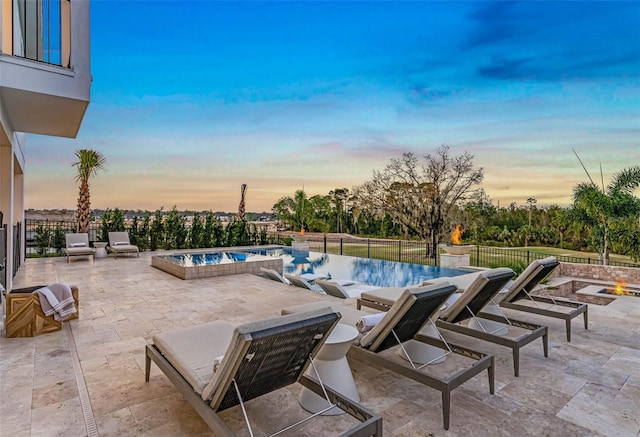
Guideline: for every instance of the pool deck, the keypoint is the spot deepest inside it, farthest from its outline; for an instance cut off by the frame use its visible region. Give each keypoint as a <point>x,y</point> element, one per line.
<point>589,387</point>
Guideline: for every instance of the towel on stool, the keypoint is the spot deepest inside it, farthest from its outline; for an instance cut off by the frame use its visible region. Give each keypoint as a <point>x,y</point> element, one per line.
<point>57,299</point>
<point>367,323</point>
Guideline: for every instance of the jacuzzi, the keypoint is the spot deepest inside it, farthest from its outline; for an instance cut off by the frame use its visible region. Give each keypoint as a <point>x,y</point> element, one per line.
<point>209,264</point>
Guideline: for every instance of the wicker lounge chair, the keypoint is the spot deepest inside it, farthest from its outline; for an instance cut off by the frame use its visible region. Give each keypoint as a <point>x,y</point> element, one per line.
<point>274,275</point>
<point>78,245</point>
<point>119,243</point>
<point>522,288</point>
<point>259,358</point>
<point>415,308</point>
<point>469,306</point>
<point>343,289</point>
<point>301,282</point>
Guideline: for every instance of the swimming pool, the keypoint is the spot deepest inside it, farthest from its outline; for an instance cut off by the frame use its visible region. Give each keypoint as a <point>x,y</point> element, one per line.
<point>381,273</point>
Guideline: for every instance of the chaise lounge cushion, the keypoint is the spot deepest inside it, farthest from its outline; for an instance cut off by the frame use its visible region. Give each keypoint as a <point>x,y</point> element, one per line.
<point>527,279</point>
<point>70,251</point>
<point>281,365</point>
<point>192,350</point>
<point>477,295</point>
<point>77,244</point>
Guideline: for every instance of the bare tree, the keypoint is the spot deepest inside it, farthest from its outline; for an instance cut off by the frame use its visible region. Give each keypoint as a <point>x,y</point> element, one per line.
<point>419,194</point>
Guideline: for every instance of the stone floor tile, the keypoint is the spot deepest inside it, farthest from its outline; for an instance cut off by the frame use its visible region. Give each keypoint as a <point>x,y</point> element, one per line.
<point>589,387</point>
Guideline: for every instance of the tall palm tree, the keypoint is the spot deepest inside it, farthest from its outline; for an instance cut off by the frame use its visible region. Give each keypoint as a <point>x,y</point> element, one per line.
<point>88,164</point>
<point>241,208</point>
<point>598,206</point>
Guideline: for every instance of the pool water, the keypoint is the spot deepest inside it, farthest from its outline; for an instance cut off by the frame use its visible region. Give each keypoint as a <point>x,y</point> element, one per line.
<point>381,273</point>
<point>207,259</point>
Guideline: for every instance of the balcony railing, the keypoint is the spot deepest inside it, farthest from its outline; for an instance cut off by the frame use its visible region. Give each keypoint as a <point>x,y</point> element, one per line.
<point>39,30</point>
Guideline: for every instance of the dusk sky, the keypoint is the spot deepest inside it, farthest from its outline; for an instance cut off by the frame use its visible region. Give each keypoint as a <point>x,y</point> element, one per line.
<point>192,99</point>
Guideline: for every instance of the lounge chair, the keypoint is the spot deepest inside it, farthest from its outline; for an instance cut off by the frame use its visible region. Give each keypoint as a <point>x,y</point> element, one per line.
<point>415,308</point>
<point>344,289</point>
<point>301,282</point>
<point>119,243</point>
<point>253,359</point>
<point>469,306</point>
<point>274,275</point>
<point>77,244</point>
<point>526,283</point>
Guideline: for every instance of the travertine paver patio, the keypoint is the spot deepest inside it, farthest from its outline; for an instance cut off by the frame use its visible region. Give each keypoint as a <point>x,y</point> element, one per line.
<point>590,386</point>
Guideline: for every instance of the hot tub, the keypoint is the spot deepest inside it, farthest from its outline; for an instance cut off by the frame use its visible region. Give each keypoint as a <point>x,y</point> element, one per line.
<point>214,263</point>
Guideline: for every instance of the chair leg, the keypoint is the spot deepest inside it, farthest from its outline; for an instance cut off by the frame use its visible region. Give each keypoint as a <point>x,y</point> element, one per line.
<point>568,323</point>
<point>492,376</point>
<point>516,361</point>
<point>446,406</point>
<point>147,365</point>
<point>545,343</point>
<point>586,323</point>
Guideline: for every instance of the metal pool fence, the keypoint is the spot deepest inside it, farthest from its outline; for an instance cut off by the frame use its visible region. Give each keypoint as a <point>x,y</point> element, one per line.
<point>418,252</point>
<point>409,251</point>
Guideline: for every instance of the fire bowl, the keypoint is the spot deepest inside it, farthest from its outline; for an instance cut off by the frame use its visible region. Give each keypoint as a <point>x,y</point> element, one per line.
<point>457,249</point>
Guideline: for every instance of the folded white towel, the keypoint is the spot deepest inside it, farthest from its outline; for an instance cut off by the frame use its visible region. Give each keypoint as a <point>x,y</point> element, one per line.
<point>216,363</point>
<point>57,299</point>
<point>367,323</point>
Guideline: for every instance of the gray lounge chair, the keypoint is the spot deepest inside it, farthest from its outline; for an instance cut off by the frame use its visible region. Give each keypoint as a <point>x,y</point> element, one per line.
<point>469,306</point>
<point>258,358</point>
<point>343,289</point>
<point>77,244</point>
<point>119,243</point>
<point>274,275</point>
<point>414,308</point>
<point>301,282</point>
<point>522,288</point>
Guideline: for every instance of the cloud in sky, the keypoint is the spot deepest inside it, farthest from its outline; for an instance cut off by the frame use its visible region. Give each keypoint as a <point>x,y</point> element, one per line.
<point>192,99</point>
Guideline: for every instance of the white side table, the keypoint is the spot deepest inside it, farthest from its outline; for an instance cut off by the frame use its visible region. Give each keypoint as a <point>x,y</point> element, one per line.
<point>100,252</point>
<point>333,368</point>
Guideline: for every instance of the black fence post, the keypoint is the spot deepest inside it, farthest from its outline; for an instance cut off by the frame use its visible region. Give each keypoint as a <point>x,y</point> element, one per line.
<point>340,246</point>
<point>399,250</point>
<point>368,248</point>
<point>528,260</point>
<point>478,256</point>
<point>325,243</point>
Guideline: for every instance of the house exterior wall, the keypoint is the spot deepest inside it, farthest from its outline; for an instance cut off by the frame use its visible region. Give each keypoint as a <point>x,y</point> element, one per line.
<point>37,97</point>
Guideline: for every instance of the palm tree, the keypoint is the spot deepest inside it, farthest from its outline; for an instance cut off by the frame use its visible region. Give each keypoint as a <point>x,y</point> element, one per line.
<point>531,201</point>
<point>599,207</point>
<point>241,211</point>
<point>88,164</point>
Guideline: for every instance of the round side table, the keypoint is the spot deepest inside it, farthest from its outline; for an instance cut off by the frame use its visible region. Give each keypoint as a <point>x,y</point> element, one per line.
<point>100,252</point>
<point>333,368</point>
